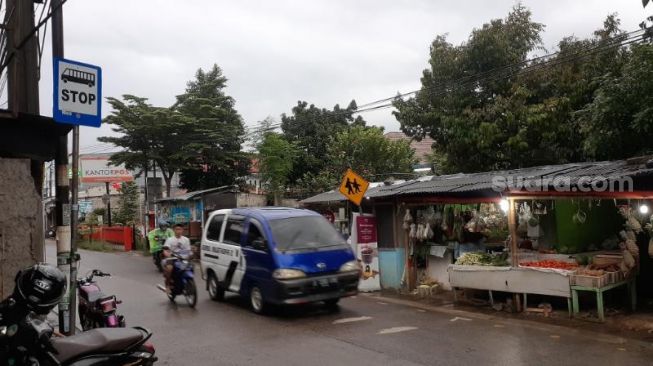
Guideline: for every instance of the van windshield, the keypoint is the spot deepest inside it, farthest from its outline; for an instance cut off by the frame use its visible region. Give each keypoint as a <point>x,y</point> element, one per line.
<point>305,233</point>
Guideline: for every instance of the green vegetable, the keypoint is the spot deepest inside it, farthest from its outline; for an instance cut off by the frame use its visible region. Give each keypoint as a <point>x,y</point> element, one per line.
<point>483,259</point>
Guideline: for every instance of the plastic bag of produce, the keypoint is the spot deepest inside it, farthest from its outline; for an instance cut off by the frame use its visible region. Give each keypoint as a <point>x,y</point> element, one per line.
<point>632,247</point>
<point>629,260</point>
<point>650,248</point>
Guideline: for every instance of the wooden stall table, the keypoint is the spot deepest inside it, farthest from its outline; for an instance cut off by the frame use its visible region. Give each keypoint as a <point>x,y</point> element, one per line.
<point>632,291</point>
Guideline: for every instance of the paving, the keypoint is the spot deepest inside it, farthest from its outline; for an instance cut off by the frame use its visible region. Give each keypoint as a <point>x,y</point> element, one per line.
<point>365,330</point>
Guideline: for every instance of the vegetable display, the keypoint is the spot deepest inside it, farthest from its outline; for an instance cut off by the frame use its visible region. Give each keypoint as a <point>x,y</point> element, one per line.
<point>550,263</point>
<point>483,259</point>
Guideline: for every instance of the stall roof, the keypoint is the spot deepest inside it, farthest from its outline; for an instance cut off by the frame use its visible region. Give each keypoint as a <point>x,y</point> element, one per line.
<point>194,194</point>
<point>482,184</point>
<point>487,181</point>
<point>334,196</point>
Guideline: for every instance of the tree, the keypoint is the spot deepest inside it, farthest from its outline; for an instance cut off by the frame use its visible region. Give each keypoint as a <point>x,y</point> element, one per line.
<point>133,120</point>
<point>310,128</point>
<point>212,148</point>
<point>147,134</point>
<point>368,152</point>
<point>128,207</point>
<point>488,107</point>
<point>263,127</point>
<point>618,121</point>
<point>276,159</point>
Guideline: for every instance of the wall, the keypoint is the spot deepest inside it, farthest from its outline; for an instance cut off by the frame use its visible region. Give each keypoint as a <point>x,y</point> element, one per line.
<point>438,269</point>
<point>21,221</point>
<point>602,222</point>
<point>252,200</point>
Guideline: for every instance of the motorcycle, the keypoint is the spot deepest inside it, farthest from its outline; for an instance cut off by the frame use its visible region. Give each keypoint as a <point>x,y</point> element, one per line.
<point>97,310</point>
<point>183,278</point>
<point>158,252</point>
<point>26,340</point>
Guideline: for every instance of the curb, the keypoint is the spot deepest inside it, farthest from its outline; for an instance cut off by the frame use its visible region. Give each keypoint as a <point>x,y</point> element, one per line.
<point>550,328</point>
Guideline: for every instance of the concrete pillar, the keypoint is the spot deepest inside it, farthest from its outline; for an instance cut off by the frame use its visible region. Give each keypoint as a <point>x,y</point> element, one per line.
<point>21,221</point>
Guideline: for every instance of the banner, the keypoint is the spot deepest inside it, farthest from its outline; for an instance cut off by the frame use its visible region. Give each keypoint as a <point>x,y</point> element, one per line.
<point>98,170</point>
<point>365,239</point>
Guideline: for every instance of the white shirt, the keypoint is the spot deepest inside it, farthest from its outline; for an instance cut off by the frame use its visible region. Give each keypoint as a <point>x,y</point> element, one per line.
<point>179,245</point>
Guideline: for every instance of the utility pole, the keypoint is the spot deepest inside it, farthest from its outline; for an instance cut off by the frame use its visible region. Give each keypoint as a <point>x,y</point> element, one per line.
<point>65,254</point>
<point>108,193</point>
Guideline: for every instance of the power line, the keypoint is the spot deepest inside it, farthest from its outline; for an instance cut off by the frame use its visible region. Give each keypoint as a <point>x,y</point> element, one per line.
<point>616,41</point>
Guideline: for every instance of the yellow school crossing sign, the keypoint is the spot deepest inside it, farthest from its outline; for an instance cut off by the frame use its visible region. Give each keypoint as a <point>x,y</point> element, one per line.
<point>353,187</point>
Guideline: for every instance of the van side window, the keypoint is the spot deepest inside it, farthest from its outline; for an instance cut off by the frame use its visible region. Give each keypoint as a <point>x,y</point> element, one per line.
<point>213,231</point>
<point>255,238</point>
<point>234,230</point>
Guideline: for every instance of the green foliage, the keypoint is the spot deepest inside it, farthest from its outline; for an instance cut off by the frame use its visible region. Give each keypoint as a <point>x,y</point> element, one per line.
<point>311,128</point>
<point>92,218</point>
<point>619,121</point>
<point>369,153</point>
<point>512,119</point>
<point>201,135</point>
<point>147,134</point>
<point>127,213</point>
<point>212,144</point>
<point>276,159</point>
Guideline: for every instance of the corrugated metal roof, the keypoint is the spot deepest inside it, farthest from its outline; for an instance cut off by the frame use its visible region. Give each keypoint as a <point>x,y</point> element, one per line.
<point>193,194</point>
<point>485,182</point>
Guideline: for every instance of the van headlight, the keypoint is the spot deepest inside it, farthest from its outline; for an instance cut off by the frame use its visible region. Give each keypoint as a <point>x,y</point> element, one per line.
<point>287,274</point>
<point>351,266</point>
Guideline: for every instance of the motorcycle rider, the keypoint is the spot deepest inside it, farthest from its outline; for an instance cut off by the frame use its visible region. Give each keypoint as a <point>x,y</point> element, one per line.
<point>179,245</point>
<point>158,236</point>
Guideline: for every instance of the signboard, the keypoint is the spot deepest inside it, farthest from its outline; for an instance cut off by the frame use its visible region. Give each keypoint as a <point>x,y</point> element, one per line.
<point>353,187</point>
<point>85,206</point>
<point>77,93</point>
<point>367,251</point>
<point>98,170</point>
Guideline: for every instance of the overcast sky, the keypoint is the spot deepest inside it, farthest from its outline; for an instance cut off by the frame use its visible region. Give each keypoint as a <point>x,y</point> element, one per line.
<point>276,52</point>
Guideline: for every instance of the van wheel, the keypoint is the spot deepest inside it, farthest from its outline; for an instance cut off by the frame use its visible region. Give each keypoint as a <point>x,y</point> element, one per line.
<point>256,300</point>
<point>216,292</point>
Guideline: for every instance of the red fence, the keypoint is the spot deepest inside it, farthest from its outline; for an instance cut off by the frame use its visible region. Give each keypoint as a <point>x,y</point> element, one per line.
<point>115,234</point>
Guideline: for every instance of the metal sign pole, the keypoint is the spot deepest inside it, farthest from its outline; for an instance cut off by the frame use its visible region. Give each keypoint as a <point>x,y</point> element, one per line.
<point>73,231</point>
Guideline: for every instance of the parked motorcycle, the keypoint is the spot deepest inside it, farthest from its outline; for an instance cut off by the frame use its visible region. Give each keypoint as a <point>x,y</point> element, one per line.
<point>27,340</point>
<point>183,276</point>
<point>97,310</point>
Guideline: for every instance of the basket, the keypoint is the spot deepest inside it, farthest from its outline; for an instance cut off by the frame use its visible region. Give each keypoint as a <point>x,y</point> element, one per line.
<point>589,281</point>
<point>614,277</point>
<point>607,259</point>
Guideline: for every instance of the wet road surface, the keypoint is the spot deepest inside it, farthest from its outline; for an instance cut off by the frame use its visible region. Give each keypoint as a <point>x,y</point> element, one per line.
<point>365,330</point>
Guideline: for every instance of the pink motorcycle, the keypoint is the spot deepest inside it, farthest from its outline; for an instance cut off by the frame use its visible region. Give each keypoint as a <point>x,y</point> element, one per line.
<point>96,309</point>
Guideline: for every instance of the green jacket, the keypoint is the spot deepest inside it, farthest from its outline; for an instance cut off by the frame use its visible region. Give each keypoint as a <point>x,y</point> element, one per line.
<point>157,237</point>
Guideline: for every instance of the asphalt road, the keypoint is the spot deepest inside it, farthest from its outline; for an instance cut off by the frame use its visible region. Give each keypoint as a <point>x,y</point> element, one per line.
<point>366,330</point>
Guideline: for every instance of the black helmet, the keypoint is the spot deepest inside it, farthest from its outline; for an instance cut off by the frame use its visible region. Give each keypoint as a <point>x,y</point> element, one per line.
<point>40,287</point>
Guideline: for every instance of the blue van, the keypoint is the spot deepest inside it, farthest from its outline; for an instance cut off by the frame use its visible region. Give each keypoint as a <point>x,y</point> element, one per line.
<point>276,256</point>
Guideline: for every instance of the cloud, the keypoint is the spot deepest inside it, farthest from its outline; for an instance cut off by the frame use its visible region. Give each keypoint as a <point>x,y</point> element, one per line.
<point>275,53</point>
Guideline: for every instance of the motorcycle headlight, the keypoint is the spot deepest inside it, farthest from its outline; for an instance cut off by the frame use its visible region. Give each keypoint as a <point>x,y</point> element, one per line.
<point>287,274</point>
<point>351,266</point>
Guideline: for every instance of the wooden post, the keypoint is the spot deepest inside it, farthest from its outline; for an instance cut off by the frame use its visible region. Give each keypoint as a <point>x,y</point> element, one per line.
<point>514,249</point>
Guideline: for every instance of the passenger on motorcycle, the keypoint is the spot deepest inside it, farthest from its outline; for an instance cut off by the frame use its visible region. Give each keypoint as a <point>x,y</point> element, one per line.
<point>159,235</point>
<point>178,245</point>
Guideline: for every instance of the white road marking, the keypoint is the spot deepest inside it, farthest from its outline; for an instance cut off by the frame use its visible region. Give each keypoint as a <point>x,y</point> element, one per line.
<point>460,318</point>
<point>421,311</point>
<point>395,330</point>
<point>351,320</point>
<point>382,303</point>
<point>554,336</point>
